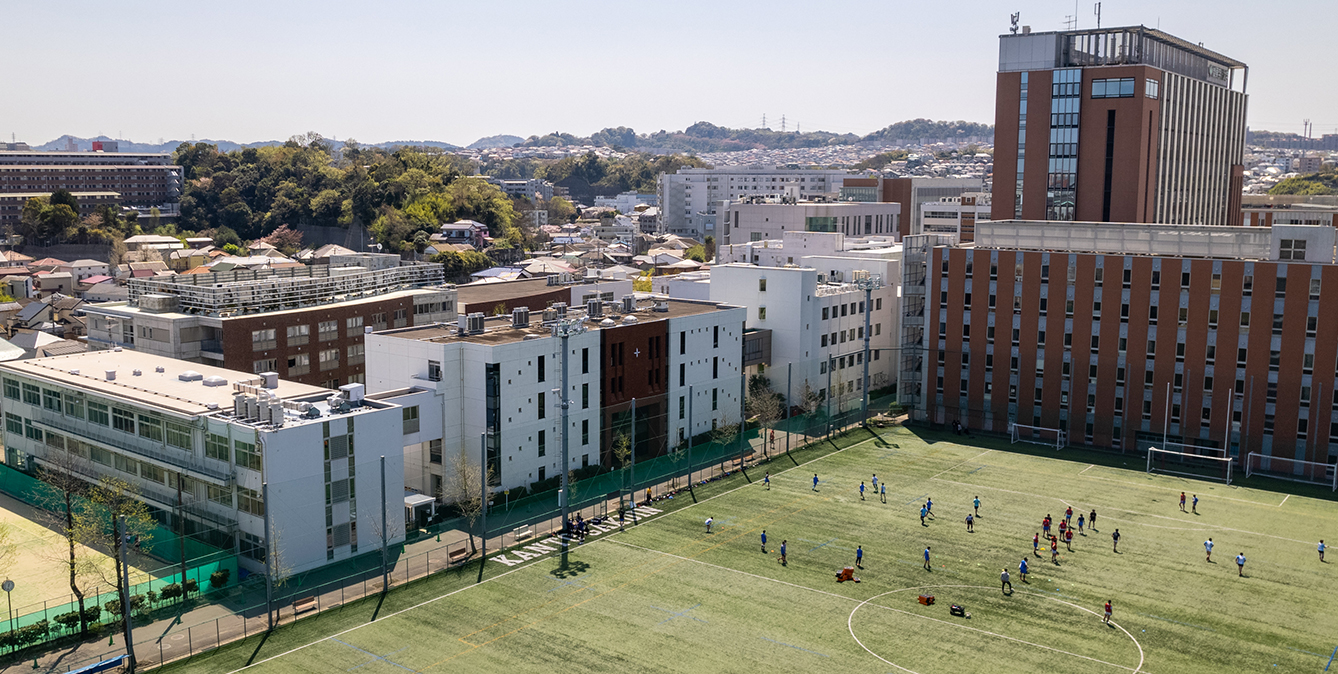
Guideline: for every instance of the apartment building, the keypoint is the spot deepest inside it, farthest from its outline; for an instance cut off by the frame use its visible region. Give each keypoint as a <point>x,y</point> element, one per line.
<point>1123,334</point>
<point>498,380</point>
<point>954,216</point>
<point>690,197</point>
<point>142,179</point>
<point>201,443</point>
<point>1266,210</point>
<point>11,204</point>
<point>1125,124</point>
<point>911,193</point>
<point>535,189</point>
<point>814,314</point>
<point>763,218</point>
<point>305,323</point>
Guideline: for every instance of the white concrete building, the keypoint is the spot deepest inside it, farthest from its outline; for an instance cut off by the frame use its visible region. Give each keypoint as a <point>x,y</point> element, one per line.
<point>689,198</point>
<point>220,436</point>
<point>759,218</point>
<point>626,202</point>
<point>954,216</point>
<point>815,313</point>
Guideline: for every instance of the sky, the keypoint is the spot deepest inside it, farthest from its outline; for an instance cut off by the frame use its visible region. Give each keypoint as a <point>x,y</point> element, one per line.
<point>456,71</point>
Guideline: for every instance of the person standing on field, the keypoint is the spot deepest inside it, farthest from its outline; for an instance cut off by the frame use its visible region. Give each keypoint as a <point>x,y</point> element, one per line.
<point>1115,541</point>
<point>1240,565</point>
<point>927,567</point>
<point>1208,548</point>
<point>976,503</point>
<point>1321,549</point>
<point>1004,582</point>
<point>1107,618</point>
<point>764,541</point>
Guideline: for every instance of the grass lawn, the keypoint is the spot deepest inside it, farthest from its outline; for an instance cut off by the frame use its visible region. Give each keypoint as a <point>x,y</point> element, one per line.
<point>666,596</point>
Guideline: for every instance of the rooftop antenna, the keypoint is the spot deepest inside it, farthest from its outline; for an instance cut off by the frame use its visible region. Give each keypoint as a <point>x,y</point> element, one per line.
<point>1070,22</point>
<point>1013,19</point>
<point>1096,9</point>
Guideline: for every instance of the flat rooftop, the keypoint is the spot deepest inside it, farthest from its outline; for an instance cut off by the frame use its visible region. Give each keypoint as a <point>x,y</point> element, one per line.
<point>505,291</point>
<point>126,308</point>
<point>164,390</point>
<point>498,330</point>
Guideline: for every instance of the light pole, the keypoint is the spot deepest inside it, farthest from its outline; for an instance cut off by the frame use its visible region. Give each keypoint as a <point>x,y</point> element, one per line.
<point>8,586</point>
<point>868,284</point>
<point>563,330</point>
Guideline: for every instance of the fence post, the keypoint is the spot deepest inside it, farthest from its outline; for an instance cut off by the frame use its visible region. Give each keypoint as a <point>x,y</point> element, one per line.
<point>218,634</point>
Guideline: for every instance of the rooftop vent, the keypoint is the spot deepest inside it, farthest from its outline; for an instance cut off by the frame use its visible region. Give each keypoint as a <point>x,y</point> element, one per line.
<point>271,379</point>
<point>661,306</point>
<point>136,372</point>
<point>607,323</point>
<point>160,369</point>
<point>353,392</point>
<point>215,381</point>
<point>111,375</point>
<point>629,319</point>
<point>190,375</point>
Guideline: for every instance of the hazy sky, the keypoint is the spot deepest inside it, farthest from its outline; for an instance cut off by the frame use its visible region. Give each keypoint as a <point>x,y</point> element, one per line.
<point>455,71</point>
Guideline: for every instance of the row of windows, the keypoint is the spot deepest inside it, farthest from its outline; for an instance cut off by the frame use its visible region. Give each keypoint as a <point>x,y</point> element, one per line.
<point>1293,249</point>
<point>298,335</point>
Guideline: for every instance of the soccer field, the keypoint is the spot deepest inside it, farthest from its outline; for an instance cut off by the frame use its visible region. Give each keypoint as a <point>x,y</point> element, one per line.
<point>666,596</point>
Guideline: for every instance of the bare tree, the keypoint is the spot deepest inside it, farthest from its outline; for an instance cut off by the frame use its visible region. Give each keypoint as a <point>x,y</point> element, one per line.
<point>63,509</point>
<point>464,487</point>
<point>120,499</point>
<point>764,405</point>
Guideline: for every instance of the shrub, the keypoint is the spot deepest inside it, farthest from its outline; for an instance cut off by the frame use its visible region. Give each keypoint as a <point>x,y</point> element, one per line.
<point>192,586</point>
<point>170,592</point>
<point>68,621</point>
<point>219,578</point>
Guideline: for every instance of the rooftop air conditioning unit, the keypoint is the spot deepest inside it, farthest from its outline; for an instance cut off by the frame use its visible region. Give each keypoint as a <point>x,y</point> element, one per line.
<point>550,315</point>
<point>822,278</point>
<point>594,308</point>
<point>560,308</point>
<point>860,275</point>
<point>629,304</point>
<point>520,317</point>
<point>475,323</point>
<point>661,306</point>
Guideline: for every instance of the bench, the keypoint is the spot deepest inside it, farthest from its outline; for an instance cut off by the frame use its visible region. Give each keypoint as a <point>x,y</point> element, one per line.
<point>459,556</point>
<point>303,605</point>
<point>523,533</point>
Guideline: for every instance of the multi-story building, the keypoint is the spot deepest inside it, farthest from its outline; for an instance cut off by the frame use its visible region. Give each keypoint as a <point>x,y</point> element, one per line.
<point>690,198</point>
<point>305,323</point>
<point>814,315</point>
<point>954,216</point>
<point>626,202</point>
<point>498,381</point>
<point>538,293</point>
<point>1124,334</point>
<point>201,443</point>
<point>765,218</point>
<point>1266,210</point>
<point>1117,125</point>
<point>911,193</point>
<point>535,189</point>
<point>142,179</point>
<point>11,204</point>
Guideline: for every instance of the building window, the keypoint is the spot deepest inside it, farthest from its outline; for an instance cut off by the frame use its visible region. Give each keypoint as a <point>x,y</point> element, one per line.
<point>74,406</point>
<point>51,400</point>
<point>32,395</point>
<point>410,417</point>
<point>244,454</point>
<point>540,370</point>
<point>11,389</point>
<point>97,414</point>
<point>353,326</point>
<point>264,365</point>
<point>220,495</point>
<point>249,501</point>
<point>1122,87</point>
<point>585,361</point>
<point>715,399</point>
<point>356,353</point>
<point>401,317</point>
<point>328,330</point>
<point>298,334</point>
<point>585,431</point>
<point>585,396</point>
<point>543,445</point>
<point>299,363</point>
<point>123,420</point>
<point>682,374</point>
<point>1151,89</point>
<point>329,359</point>
<point>762,285</point>
<point>1292,249</point>
<point>262,339</point>
<point>434,449</point>
<point>434,370</point>
<point>216,447</point>
<point>151,427</point>
<point>761,313</point>
<point>682,407</point>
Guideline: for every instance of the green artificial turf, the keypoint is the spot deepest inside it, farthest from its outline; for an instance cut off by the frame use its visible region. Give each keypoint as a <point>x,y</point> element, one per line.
<point>666,596</point>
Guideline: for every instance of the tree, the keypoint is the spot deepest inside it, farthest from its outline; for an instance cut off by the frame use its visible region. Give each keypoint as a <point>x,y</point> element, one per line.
<point>560,210</point>
<point>644,282</point>
<point>63,196</point>
<point>464,487</point>
<point>286,239</point>
<point>65,510</point>
<point>708,247</point>
<point>696,253</point>
<point>119,502</point>
<point>764,405</point>
<point>460,264</point>
<point>224,235</point>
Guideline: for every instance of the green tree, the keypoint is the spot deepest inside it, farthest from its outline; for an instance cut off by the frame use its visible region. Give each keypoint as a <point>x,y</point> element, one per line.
<point>63,196</point>
<point>119,501</point>
<point>460,264</point>
<point>696,253</point>
<point>560,210</point>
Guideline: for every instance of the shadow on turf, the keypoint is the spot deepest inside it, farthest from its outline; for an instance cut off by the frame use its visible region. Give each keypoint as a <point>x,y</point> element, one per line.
<point>569,570</point>
<point>1125,461</point>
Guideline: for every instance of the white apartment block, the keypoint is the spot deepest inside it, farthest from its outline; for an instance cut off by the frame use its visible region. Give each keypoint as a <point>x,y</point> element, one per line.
<point>815,313</point>
<point>219,436</point>
<point>954,216</point>
<point>758,218</point>
<point>498,381</point>
<point>690,198</point>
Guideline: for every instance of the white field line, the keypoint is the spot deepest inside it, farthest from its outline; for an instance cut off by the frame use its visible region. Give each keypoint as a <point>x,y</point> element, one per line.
<point>1089,467</point>
<point>962,463</point>
<point>888,608</point>
<point>606,537</point>
<point>1284,499</point>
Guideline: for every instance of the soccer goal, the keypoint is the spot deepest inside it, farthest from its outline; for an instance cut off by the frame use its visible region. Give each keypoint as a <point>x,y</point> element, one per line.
<point>1202,462</point>
<point>1040,435</point>
<point>1292,469</point>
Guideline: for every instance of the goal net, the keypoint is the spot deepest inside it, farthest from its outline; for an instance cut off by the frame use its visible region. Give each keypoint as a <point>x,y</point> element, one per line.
<point>1040,435</point>
<point>1202,462</point>
<point>1292,469</point>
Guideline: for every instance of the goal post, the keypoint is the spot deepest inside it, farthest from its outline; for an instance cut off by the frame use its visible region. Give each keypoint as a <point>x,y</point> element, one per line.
<point>1295,470</point>
<point>1039,435</point>
<point>1208,463</point>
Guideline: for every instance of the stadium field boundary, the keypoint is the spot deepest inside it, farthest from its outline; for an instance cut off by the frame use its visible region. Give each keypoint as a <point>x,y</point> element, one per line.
<point>527,565</point>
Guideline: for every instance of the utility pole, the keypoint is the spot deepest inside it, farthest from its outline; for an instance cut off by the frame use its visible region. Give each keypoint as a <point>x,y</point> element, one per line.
<point>385,534</point>
<point>269,562</point>
<point>632,484</point>
<point>868,284</point>
<point>690,491</point>
<point>125,595</point>
<point>743,415</point>
<point>483,504</point>
<point>181,533</point>
<point>830,363</point>
<point>564,329</point>
<point>789,373</point>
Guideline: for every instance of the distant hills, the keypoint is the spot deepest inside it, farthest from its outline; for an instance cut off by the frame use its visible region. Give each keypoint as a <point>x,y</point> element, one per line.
<point>699,137</point>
